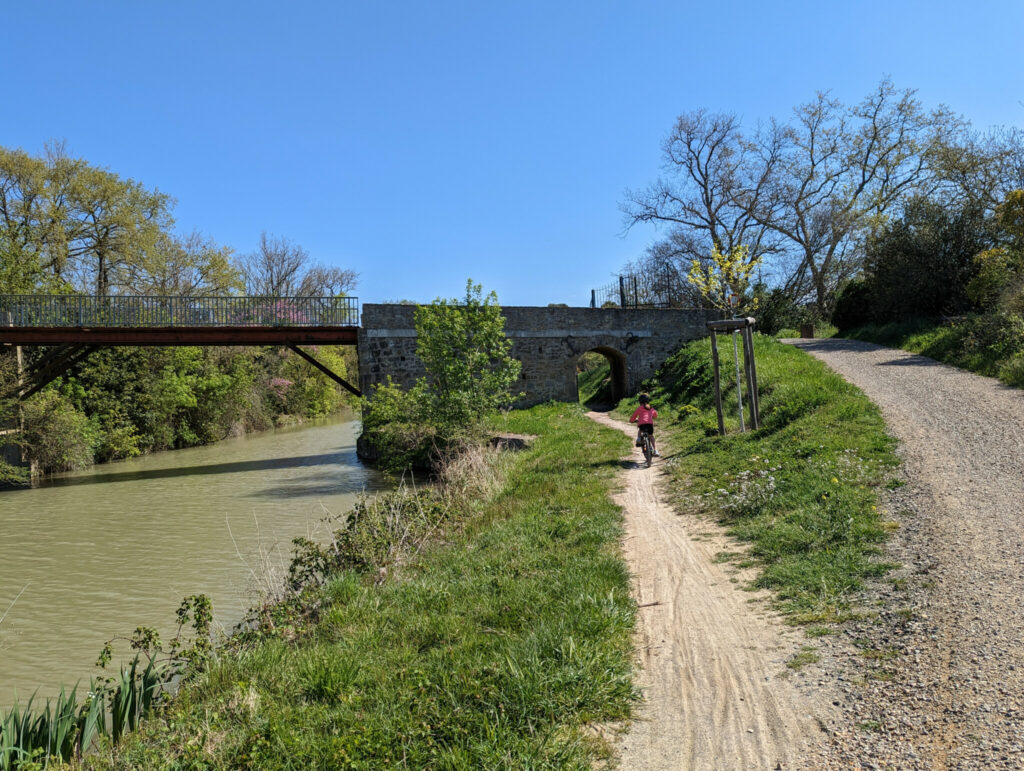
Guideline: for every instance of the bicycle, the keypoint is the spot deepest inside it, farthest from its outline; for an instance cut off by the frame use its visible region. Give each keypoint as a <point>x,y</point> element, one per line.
<point>648,450</point>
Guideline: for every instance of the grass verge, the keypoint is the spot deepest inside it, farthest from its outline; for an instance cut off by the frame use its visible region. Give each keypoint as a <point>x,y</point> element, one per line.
<point>821,329</point>
<point>801,491</point>
<point>594,381</point>
<point>492,648</point>
<point>990,345</point>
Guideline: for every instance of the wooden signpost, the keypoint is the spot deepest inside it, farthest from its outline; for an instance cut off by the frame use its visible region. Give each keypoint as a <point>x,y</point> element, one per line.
<point>743,327</point>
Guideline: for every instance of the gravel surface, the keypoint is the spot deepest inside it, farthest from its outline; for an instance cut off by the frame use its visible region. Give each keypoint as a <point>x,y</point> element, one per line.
<point>935,679</point>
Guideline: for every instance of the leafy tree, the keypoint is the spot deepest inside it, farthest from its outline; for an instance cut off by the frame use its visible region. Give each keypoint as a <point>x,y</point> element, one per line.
<point>77,223</point>
<point>999,275</point>
<point>465,351</point>
<point>981,169</point>
<point>114,223</point>
<point>921,263</point>
<point>470,374</point>
<point>188,266</point>
<point>60,437</point>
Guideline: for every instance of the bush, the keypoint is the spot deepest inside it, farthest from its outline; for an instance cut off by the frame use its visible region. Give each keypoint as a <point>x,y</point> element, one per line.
<point>996,272</point>
<point>398,432</point>
<point>776,311</point>
<point>57,436</point>
<point>921,264</point>
<point>853,306</point>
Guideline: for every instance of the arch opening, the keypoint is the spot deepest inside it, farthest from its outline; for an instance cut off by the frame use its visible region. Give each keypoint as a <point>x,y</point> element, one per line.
<point>601,380</point>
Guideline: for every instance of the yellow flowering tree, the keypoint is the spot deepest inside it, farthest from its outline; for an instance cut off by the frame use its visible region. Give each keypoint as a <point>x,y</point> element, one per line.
<point>724,275</point>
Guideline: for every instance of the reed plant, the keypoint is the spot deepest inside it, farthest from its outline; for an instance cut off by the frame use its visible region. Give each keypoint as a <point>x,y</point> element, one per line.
<point>32,736</point>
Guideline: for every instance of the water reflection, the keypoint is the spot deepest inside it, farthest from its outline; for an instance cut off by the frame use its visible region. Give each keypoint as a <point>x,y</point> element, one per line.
<point>99,552</point>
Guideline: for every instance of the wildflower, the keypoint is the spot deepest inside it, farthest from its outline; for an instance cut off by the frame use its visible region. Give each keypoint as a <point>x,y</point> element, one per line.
<point>835,481</point>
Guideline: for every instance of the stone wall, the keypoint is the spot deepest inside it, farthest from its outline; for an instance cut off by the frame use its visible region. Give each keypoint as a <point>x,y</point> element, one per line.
<point>547,341</point>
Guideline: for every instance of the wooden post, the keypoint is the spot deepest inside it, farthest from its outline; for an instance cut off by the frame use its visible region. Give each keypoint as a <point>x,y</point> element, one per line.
<point>718,383</point>
<point>739,388</point>
<point>753,376</point>
<point>748,358</point>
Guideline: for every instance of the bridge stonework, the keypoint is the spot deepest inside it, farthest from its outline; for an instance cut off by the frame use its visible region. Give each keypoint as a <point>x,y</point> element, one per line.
<point>548,342</point>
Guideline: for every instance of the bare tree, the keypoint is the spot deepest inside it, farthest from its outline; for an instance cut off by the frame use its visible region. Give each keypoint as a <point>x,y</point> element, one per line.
<point>703,200</point>
<point>323,281</point>
<point>838,171</point>
<point>280,268</point>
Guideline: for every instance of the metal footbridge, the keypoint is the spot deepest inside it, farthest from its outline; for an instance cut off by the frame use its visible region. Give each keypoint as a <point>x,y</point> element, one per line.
<point>75,325</point>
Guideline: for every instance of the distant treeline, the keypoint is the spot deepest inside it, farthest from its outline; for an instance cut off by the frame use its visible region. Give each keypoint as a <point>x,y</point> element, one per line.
<point>69,227</point>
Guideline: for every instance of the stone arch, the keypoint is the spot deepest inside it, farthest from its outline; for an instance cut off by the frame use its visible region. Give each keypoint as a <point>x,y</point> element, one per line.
<point>619,373</point>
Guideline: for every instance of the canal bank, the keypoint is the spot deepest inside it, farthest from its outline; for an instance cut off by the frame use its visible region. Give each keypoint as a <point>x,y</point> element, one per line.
<point>93,554</point>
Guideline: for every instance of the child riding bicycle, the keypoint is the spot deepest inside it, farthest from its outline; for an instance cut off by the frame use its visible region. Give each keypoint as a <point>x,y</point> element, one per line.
<point>644,416</point>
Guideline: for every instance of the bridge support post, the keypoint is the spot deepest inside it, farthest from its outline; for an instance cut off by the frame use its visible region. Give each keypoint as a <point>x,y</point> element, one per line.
<point>336,378</point>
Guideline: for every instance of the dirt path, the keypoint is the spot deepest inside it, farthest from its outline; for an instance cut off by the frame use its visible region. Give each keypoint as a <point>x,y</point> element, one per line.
<point>717,691</point>
<point>953,696</point>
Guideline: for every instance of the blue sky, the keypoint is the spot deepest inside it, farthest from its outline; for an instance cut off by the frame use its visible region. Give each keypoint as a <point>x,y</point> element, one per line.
<point>423,143</point>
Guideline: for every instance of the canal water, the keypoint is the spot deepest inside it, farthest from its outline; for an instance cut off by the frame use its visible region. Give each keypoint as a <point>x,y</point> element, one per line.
<point>93,554</point>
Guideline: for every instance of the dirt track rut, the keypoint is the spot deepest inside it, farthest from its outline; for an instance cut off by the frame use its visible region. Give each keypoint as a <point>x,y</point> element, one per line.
<point>717,692</point>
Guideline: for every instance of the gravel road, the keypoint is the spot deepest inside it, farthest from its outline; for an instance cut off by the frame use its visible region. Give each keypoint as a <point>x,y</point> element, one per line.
<point>945,686</point>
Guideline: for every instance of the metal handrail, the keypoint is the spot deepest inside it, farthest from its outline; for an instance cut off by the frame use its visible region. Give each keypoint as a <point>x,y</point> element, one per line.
<point>122,311</point>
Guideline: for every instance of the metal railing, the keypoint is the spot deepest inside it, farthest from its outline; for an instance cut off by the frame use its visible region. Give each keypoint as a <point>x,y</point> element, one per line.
<point>659,290</point>
<point>126,311</point>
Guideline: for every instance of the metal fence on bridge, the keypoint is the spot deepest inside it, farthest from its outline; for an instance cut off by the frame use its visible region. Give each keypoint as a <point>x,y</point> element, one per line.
<point>127,311</point>
<point>659,290</point>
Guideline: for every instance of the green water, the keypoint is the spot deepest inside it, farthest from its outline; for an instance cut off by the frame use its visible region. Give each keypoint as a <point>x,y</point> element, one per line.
<point>95,553</point>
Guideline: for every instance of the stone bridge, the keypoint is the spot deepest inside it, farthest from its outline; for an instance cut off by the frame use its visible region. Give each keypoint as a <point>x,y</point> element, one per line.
<point>548,342</point>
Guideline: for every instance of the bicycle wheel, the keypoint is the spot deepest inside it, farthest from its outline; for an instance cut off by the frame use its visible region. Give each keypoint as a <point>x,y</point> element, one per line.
<point>648,452</point>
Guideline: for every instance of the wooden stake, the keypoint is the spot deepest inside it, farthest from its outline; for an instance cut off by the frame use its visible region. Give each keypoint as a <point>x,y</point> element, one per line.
<point>748,357</point>
<point>753,377</point>
<point>718,383</point>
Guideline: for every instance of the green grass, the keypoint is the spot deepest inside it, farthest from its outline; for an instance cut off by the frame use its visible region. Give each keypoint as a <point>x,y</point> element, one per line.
<point>595,384</point>
<point>807,654</point>
<point>821,329</point>
<point>801,492</point>
<point>990,345</point>
<point>494,649</point>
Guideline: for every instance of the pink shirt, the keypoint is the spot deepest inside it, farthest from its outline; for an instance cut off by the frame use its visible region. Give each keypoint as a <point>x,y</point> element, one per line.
<point>644,415</point>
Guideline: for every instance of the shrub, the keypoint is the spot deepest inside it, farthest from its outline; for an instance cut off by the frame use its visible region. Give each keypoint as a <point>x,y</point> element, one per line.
<point>57,436</point>
<point>995,271</point>
<point>853,306</point>
<point>920,264</point>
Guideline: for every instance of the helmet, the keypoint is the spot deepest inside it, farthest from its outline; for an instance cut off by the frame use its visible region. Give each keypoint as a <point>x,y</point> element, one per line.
<point>644,399</point>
